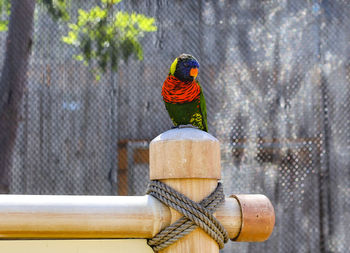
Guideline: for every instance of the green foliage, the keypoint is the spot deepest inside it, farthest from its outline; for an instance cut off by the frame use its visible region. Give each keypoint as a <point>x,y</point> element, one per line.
<point>57,8</point>
<point>105,37</point>
<point>100,34</point>
<point>5,10</point>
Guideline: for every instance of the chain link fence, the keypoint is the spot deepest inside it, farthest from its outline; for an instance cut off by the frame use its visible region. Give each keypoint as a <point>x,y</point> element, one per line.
<point>276,78</point>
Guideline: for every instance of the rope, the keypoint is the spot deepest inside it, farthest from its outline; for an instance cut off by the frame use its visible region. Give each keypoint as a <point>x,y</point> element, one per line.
<point>195,215</point>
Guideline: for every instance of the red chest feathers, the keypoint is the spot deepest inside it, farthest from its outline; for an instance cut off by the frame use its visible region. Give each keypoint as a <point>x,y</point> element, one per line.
<point>177,92</point>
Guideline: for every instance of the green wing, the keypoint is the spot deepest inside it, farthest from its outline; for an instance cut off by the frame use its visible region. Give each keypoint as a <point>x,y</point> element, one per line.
<point>194,113</point>
<point>203,109</point>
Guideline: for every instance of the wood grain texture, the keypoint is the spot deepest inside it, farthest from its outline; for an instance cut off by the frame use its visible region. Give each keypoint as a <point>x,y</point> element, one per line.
<point>197,241</point>
<point>258,218</point>
<point>74,217</point>
<point>28,216</point>
<point>185,153</point>
<point>187,160</point>
<point>74,246</point>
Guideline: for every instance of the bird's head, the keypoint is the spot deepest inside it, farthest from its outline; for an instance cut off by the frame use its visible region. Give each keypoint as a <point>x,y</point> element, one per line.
<point>185,67</point>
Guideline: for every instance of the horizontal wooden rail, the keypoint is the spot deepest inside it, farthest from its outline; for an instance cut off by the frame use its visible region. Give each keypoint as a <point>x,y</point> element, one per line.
<point>76,217</point>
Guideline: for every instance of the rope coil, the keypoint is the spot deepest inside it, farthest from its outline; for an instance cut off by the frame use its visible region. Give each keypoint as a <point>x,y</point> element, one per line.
<point>194,215</point>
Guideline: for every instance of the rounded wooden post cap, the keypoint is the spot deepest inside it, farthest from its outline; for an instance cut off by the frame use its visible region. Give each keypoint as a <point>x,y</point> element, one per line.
<point>184,153</point>
<point>258,218</point>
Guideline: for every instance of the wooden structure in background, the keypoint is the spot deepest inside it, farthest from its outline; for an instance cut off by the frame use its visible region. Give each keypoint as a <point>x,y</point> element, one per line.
<point>130,152</point>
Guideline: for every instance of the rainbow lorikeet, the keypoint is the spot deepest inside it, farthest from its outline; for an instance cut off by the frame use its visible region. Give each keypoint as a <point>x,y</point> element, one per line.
<point>183,95</point>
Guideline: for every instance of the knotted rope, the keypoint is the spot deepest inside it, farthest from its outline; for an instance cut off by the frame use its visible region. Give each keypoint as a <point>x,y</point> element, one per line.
<point>195,215</point>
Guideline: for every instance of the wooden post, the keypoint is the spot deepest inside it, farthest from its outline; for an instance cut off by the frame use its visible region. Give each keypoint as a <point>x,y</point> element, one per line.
<point>189,161</point>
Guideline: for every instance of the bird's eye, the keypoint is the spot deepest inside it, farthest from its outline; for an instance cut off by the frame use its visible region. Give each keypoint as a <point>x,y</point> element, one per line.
<point>186,64</point>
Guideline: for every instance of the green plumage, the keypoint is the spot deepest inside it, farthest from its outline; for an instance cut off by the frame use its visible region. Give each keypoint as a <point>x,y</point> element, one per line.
<point>185,68</point>
<point>193,113</point>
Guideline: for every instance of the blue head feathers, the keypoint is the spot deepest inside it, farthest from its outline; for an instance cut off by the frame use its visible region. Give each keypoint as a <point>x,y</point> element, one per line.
<point>185,67</point>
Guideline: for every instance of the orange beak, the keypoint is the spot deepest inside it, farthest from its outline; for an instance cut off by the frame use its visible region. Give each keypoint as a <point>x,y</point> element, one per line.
<point>194,72</point>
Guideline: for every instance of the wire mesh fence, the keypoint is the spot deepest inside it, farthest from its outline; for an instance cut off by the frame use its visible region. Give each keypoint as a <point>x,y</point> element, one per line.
<point>275,75</point>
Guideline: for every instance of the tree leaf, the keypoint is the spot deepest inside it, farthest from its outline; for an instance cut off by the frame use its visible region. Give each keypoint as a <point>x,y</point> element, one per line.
<point>104,39</point>
<point>3,26</point>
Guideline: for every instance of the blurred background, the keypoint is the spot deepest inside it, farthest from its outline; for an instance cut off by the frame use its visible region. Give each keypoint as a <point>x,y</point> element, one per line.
<point>80,100</point>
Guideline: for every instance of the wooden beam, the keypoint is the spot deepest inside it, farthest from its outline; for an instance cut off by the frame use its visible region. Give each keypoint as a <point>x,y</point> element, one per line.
<point>75,217</point>
<point>74,246</point>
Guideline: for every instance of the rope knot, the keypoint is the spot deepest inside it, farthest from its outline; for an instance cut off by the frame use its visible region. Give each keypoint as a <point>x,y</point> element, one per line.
<point>194,215</point>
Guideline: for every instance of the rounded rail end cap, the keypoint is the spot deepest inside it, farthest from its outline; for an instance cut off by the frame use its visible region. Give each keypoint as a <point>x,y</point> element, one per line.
<point>258,217</point>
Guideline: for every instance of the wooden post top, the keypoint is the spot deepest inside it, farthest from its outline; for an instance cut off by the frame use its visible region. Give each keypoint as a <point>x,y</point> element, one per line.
<point>184,153</point>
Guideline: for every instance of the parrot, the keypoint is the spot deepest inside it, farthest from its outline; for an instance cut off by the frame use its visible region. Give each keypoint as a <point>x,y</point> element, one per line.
<point>183,95</point>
